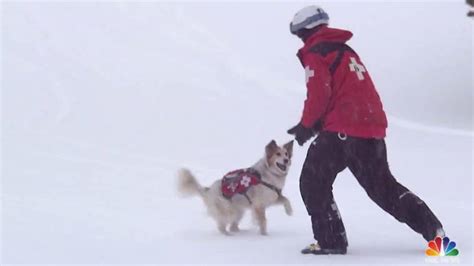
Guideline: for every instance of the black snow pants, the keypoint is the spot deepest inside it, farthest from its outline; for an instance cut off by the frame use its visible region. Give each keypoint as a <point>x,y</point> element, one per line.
<point>331,153</point>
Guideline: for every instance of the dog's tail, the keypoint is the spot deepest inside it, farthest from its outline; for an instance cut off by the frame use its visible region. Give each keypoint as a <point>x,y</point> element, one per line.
<point>188,185</point>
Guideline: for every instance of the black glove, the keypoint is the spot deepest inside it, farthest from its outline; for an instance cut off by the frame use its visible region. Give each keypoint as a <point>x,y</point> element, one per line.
<point>302,133</point>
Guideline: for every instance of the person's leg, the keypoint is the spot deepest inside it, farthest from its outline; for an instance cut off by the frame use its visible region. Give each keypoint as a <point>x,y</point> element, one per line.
<point>325,159</point>
<point>368,162</point>
<point>328,228</point>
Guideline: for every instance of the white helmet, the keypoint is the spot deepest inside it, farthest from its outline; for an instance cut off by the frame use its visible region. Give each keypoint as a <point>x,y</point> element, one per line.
<point>308,18</point>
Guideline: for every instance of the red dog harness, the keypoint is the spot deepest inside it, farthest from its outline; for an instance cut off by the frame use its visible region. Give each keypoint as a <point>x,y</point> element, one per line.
<point>240,181</point>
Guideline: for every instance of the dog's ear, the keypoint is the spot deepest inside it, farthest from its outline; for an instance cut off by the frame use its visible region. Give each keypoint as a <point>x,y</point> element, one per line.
<point>270,149</point>
<point>289,148</point>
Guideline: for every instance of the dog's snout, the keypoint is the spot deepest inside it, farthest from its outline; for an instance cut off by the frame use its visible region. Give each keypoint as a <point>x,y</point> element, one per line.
<point>286,161</point>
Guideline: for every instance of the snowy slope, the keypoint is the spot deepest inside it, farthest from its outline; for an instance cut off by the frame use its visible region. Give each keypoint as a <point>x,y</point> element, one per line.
<point>103,102</point>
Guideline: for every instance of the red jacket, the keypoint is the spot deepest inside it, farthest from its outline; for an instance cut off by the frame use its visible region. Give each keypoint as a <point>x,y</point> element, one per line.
<point>343,99</point>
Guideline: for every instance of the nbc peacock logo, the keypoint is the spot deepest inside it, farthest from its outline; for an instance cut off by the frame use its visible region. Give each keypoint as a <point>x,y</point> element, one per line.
<point>442,247</point>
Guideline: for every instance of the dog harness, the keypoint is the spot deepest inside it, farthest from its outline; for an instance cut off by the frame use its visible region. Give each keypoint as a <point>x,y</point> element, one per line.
<point>240,181</point>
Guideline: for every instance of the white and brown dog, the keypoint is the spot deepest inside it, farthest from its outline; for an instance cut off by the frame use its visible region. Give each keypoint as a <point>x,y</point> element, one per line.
<point>255,188</point>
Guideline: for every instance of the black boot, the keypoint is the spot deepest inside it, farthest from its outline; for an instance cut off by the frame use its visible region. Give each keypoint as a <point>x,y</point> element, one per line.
<point>328,228</point>
<point>317,250</point>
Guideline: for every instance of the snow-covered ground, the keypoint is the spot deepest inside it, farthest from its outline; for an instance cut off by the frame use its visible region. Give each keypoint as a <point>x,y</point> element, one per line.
<point>103,102</point>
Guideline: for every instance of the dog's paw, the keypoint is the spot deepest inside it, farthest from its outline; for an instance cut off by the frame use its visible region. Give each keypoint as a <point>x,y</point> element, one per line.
<point>287,206</point>
<point>226,233</point>
<point>222,229</point>
<point>234,228</point>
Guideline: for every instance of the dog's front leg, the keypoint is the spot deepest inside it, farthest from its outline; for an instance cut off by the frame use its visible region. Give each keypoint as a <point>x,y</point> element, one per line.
<point>259,213</point>
<point>286,204</point>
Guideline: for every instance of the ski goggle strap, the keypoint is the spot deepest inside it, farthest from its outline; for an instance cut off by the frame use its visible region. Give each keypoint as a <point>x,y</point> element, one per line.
<point>317,17</point>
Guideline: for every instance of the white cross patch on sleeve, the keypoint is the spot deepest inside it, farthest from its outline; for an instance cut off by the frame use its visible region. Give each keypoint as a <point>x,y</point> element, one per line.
<point>308,72</point>
<point>357,68</point>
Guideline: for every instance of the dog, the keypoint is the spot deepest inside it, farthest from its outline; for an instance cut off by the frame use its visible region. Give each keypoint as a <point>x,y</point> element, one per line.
<point>255,188</point>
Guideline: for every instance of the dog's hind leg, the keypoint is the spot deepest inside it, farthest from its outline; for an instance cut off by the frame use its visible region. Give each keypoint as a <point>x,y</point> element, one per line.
<point>221,226</point>
<point>259,214</point>
<point>221,216</point>
<point>234,226</point>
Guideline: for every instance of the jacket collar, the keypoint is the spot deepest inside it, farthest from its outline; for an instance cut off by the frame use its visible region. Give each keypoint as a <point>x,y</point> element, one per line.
<point>325,34</point>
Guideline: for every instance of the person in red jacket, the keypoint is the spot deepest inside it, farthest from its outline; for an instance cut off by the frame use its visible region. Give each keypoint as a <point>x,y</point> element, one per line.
<point>344,110</point>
